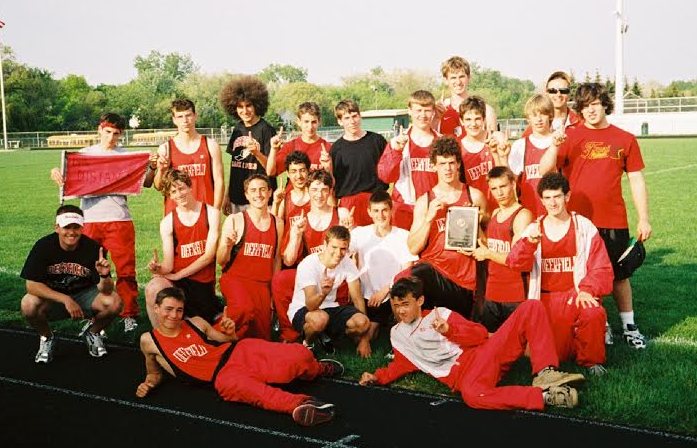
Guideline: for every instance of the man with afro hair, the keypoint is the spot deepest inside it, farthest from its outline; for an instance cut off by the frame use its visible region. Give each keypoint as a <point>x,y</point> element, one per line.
<point>246,99</point>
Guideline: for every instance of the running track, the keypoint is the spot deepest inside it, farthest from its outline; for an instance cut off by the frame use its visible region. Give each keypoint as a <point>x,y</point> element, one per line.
<point>77,400</point>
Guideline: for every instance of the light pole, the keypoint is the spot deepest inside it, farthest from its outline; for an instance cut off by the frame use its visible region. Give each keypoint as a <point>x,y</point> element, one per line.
<point>621,28</point>
<point>2,93</point>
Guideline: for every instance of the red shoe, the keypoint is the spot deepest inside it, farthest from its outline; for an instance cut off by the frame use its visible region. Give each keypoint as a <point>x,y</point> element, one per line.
<point>313,412</point>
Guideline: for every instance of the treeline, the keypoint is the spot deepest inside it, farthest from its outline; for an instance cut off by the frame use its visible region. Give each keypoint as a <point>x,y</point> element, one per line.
<point>36,101</point>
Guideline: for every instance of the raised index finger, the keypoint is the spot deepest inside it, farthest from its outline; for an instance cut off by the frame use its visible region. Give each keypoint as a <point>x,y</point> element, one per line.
<point>101,253</point>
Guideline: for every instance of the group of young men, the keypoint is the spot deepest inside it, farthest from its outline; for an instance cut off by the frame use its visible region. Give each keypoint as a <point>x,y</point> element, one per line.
<point>333,254</point>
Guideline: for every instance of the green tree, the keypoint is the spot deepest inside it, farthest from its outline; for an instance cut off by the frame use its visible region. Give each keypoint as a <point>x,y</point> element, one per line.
<point>636,88</point>
<point>79,105</point>
<point>203,90</point>
<point>30,95</point>
<point>283,74</point>
<point>286,99</point>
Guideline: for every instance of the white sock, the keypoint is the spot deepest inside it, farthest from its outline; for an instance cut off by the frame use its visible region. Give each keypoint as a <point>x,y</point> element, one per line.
<point>627,318</point>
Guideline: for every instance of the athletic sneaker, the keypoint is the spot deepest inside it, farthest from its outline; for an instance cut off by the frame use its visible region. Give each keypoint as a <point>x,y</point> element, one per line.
<point>597,370</point>
<point>633,337</point>
<point>326,343</point>
<point>561,396</point>
<point>45,353</point>
<point>129,324</point>
<point>95,344</point>
<point>87,324</point>
<point>609,338</point>
<point>330,368</point>
<point>313,412</point>
<point>548,378</point>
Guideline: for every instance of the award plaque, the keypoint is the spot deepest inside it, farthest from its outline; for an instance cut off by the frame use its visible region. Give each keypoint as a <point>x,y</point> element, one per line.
<point>461,228</point>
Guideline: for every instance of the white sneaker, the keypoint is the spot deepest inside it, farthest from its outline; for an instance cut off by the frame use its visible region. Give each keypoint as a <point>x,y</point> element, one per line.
<point>95,344</point>
<point>609,338</point>
<point>45,353</point>
<point>633,337</point>
<point>129,324</point>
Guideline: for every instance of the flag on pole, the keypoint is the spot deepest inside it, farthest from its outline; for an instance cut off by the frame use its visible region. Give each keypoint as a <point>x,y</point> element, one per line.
<point>88,175</point>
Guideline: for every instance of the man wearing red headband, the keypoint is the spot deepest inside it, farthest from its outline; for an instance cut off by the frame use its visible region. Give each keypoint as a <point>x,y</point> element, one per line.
<point>108,219</point>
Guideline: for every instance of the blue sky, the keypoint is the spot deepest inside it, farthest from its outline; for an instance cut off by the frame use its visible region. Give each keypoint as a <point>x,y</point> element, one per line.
<point>526,39</point>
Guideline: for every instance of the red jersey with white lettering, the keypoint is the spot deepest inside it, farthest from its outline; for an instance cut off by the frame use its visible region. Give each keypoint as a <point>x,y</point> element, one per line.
<point>459,268</point>
<point>190,244</point>
<point>291,214</point>
<point>252,257</point>
<point>477,166</point>
<point>450,123</point>
<point>503,284</point>
<point>594,161</point>
<point>313,240</point>
<point>191,355</point>
<point>313,151</point>
<point>530,178</point>
<point>558,260</point>
<point>198,166</point>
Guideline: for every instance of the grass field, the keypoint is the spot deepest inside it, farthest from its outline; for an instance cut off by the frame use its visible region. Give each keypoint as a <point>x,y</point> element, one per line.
<point>655,388</point>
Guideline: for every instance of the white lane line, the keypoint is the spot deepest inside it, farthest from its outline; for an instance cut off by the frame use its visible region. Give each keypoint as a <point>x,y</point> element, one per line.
<point>676,341</point>
<point>147,407</point>
<point>668,170</point>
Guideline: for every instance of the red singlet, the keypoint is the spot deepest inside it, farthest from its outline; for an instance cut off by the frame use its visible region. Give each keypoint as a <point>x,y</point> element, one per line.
<point>190,244</point>
<point>459,268</point>
<point>558,260</point>
<point>253,256</point>
<point>190,355</point>
<point>503,284</point>
<point>198,166</point>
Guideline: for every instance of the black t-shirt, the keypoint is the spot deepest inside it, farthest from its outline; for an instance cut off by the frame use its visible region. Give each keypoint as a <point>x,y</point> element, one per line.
<point>240,170</point>
<point>61,270</point>
<point>355,164</point>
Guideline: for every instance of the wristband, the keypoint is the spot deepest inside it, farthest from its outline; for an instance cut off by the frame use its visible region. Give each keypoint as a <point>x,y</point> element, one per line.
<point>106,275</point>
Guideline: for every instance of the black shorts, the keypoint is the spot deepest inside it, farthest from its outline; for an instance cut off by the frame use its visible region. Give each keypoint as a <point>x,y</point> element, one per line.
<point>338,316</point>
<point>441,291</point>
<point>381,314</point>
<point>496,313</point>
<point>616,242</point>
<point>201,299</point>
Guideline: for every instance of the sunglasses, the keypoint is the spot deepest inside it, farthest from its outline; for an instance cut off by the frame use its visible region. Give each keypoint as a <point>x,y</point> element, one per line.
<point>562,91</point>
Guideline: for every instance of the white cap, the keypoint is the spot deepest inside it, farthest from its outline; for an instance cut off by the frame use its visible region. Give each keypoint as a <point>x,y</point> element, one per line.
<point>65,219</point>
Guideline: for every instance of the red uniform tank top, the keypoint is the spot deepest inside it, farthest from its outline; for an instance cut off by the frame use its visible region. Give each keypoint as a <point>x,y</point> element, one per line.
<point>191,355</point>
<point>423,174</point>
<point>449,263</point>
<point>313,151</point>
<point>253,256</point>
<point>476,167</point>
<point>199,168</point>
<point>558,261</point>
<point>290,216</point>
<point>503,284</point>
<point>190,244</point>
<point>313,240</point>
<point>531,178</point>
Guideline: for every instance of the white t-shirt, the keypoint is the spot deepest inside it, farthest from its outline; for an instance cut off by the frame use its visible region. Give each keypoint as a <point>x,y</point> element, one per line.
<point>517,155</point>
<point>110,207</point>
<point>310,272</point>
<point>380,258</point>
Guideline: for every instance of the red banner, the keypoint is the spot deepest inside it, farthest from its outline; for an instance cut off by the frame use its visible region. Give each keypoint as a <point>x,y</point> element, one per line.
<point>91,175</point>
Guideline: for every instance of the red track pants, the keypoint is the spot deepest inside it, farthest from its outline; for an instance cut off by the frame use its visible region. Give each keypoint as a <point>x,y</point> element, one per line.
<point>578,332</point>
<point>255,363</point>
<point>481,369</point>
<point>249,305</point>
<point>119,238</point>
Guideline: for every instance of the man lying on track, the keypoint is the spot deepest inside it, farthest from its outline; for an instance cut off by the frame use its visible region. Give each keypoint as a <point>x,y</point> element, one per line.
<point>192,350</point>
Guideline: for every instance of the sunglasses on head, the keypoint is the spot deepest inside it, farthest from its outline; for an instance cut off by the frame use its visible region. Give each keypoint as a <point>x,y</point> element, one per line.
<point>562,91</point>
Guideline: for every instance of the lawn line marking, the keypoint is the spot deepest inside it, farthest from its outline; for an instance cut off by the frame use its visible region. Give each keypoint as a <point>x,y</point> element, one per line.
<point>668,170</point>
<point>676,341</point>
<point>148,407</point>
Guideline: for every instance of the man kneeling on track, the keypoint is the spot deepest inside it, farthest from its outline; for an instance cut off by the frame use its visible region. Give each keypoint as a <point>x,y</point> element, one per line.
<point>193,350</point>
